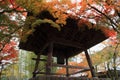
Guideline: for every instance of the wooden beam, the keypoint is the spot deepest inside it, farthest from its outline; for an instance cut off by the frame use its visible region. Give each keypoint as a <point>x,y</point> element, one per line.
<point>69,66</point>
<point>68,43</point>
<point>50,73</point>
<point>84,70</point>
<point>90,63</point>
<point>39,59</point>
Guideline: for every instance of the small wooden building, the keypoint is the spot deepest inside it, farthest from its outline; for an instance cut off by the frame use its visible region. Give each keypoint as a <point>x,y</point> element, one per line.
<point>72,39</point>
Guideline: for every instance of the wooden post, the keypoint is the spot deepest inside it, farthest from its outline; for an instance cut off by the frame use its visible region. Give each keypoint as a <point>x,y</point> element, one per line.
<point>49,59</point>
<point>38,60</point>
<point>36,65</point>
<point>90,63</point>
<point>67,68</point>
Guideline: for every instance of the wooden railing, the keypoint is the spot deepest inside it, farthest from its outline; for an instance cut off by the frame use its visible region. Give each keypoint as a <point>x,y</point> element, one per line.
<point>67,78</point>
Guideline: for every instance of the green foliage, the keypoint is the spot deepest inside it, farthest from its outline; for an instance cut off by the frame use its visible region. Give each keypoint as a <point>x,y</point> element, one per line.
<point>34,6</point>
<point>25,63</point>
<point>24,66</point>
<point>105,55</point>
<point>40,21</point>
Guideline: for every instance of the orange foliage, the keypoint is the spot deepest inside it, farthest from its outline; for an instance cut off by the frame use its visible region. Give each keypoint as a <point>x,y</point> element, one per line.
<point>9,52</point>
<point>12,2</point>
<point>109,32</point>
<point>83,22</point>
<point>83,5</point>
<point>113,41</point>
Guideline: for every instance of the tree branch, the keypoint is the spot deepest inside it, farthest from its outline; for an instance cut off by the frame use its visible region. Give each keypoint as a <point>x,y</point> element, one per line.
<point>1,0</point>
<point>114,24</point>
<point>12,10</point>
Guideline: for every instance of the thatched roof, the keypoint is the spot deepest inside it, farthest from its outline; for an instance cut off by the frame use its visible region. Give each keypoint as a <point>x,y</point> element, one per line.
<point>72,39</point>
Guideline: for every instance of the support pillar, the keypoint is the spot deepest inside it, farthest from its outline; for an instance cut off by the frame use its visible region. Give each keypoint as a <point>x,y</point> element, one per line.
<point>38,60</point>
<point>36,65</point>
<point>49,59</point>
<point>67,69</point>
<point>90,63</point>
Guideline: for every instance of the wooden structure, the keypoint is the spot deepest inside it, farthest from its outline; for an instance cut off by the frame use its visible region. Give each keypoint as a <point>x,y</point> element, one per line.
<point>62,78</point>
<point>109,74</point>
<point>72,39</point>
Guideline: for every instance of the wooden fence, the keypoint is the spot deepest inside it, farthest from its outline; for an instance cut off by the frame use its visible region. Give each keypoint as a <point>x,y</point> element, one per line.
<point>55,78</point>
<point>68,78</point>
